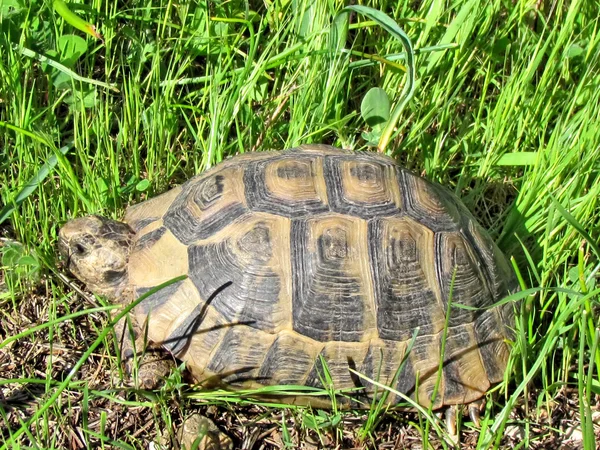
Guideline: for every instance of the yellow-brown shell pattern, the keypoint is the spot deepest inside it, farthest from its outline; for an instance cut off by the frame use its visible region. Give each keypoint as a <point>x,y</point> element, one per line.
<point>317,252</point>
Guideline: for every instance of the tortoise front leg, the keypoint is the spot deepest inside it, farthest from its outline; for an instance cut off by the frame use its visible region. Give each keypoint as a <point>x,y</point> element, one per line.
<point>146,365</point>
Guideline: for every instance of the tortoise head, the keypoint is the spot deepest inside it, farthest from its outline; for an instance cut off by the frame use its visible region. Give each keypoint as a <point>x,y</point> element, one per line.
<point>97,251</point>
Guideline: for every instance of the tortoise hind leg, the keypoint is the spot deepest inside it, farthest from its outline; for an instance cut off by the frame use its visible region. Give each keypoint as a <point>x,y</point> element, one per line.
<point>451,412</point>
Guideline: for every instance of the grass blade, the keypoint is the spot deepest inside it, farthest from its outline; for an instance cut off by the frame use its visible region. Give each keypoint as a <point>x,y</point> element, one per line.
<point>32,184</point>
<point>389,25</point>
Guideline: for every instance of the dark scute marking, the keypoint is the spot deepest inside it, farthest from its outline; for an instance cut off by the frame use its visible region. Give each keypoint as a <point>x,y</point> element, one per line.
<point>114,276</point>
<point>498,272</point>
<point>218,221</point>
<point>403,251</point>
<point>403,297</point>
<point>258,243</point>
<point>327,304</point>
<point>443,215</point>
<point>366,172</point>
<point>507,313</point>
<point>189,228</point>
<point>407,377</point>
<point>143,223</point>
<point>317,372</point>
<point>335,192</point>
<point>362,395</point>
<point>259,198</point>
<point>208,191</point>
<point>339,368</point>
<point>285,366</point>
<point>459,256</point>
<point>254,293</point>
<point>488,334</point>
<point>422,363</point>
<point>470,286</point>
<point>458,345</point>
<point>495,266</point>
<point>333,246</point>
<point>230,354</point>
<point>179,340</point>
<point>156,300</point>
<point>371,368</point>
<point>291,171</point>
<point>149,239</point>
<point>377,365</point>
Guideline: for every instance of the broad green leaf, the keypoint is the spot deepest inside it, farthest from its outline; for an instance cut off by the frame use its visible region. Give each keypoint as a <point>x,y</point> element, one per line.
<point>9,8</point>
<point>307,21</point>
<point>339,32</point>
<point>70,48</point>
<point>142,185</point>
<point>61,80</point>
<point>375,107</point>
<point>85,98</point>
<point>574,50</point>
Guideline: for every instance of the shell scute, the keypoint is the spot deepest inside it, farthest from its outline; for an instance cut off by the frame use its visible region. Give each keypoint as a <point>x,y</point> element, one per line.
<point>382,360</point>
<point>363,187</point>
<point>465,379</point>
<point>240,354</point>
<point>425,204</point>
<point>242,269</point>
<point>339,357</point>
<point>157,257</point>
<point>206,205</point>
<point>142,214</point>
<point>289,359</point>
<point>460,278</point>
<point>286,185</point>
<point>490,334</point>
<point>331,285</point>
<point>207,336</point>
<point>407,293</point>
<point>420,374</point>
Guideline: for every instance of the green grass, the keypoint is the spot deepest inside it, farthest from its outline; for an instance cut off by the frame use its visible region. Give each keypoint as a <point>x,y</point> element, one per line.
<point>506,113</point>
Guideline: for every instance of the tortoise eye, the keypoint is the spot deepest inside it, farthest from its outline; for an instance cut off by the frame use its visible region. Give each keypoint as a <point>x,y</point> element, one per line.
<point>83,244</point>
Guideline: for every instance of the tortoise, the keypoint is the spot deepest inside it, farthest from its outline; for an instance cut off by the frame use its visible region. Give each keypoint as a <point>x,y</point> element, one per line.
<point>309,254</point>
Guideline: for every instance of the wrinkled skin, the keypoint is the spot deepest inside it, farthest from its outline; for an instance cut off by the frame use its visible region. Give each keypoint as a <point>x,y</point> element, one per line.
<point>97,251</point>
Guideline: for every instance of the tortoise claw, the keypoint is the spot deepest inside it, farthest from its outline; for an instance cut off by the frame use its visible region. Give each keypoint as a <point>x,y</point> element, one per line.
<point>474,413</point>
<point>451,422</point>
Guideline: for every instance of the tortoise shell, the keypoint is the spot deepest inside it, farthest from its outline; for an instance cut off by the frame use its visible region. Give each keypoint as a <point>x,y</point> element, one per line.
<point>317,252</point>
